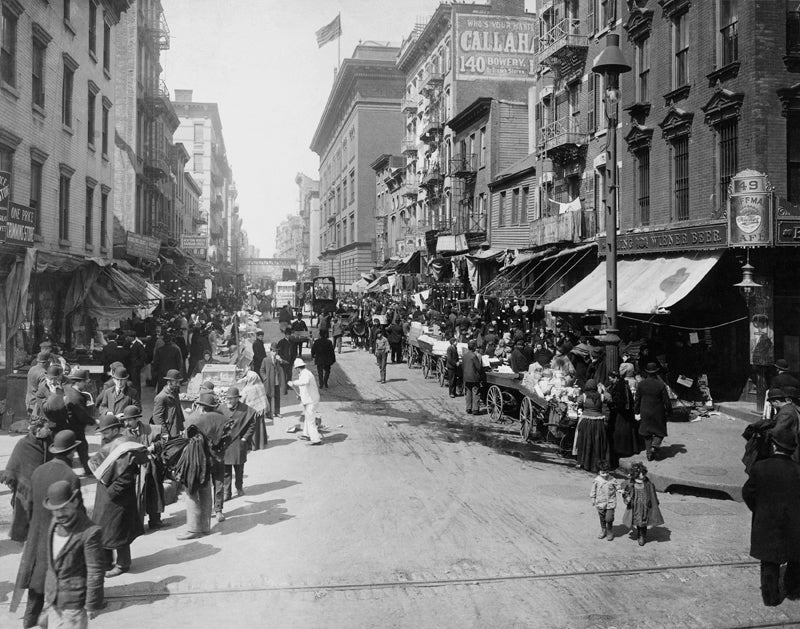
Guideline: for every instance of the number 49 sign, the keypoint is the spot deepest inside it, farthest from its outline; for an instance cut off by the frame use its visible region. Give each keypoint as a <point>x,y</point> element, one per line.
<point>750,210</point>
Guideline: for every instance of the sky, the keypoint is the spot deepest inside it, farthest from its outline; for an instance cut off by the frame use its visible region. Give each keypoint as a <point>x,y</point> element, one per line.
<point>258,59</point>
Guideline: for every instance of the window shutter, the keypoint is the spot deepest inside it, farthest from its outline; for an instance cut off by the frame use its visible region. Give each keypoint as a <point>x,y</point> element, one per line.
<point>590,17</point>
<point>590,108</point>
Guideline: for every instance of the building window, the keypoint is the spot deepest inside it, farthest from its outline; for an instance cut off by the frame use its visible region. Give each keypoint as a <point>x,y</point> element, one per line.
<point>92,29</point>
<point>63,206</point>
<point>344,190</point>
<point>352,229</point>
<point>642,70</point>
<point>680,151</point>
<point>352,186</point>
<point>482,157</point>
<point>514,207</point>
<point>104,123</point>
<point>643,185</point>
<point>89,213</point>
<point>66,93</point>
<point>728,133</point>
<point>8,47</point>
<point>38,55</point>
<point>91,115</point>
<point>793,31</point>
<point>729,31</point>
<point>793,155</point>
<point>680,48</point>
<point>67,11</point>
<point>591,118</point>
<point>35,198</point>
<point>197,163</point>
<point>501,210</point>
<point>106,46</point>
<point>523,206</point>
<point>7,162</point>
<point>199,130</point>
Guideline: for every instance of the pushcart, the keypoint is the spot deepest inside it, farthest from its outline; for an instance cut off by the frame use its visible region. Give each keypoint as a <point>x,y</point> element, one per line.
<point>508,399</point>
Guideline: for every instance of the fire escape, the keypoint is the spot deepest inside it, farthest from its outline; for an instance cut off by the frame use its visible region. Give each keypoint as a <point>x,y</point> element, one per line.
<point>432,175</point>
<point>467,218</point>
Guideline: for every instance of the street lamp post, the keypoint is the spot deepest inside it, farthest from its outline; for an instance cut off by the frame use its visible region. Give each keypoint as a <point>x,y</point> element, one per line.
<point>610,63</point>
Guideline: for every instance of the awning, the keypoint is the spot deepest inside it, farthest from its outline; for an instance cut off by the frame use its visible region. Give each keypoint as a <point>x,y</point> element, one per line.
<point>409,264</point>
<point>379,285</point>
<point>485,256</point>
<point>451,243</point>
<point>644,286</point>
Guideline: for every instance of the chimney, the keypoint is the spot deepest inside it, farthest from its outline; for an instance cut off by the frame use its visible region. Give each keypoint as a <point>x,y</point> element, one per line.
<point>508,7</point>
<point>183,96</point>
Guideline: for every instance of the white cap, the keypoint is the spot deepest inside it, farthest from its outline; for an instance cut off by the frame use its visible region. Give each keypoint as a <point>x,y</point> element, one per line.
<point>299,362</point>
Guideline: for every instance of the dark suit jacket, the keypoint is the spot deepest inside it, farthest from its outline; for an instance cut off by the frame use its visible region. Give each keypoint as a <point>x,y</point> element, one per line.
<point>268,375</point>
<point>108,400</point>
<point>322,352</point>
<point>243,428</point>
<point>80,415</point>
<point>165,358</point>
<point>53,407</point>
<point>168,412</point>
<point>451,356</point>
<point>771,494</point>
<point>517,361</point>
<point>652,402</point>
<point>473,368</point>
<point>394,333</point>
<point>75,577</point>
<point>259,353</point>
<point>138,355</point>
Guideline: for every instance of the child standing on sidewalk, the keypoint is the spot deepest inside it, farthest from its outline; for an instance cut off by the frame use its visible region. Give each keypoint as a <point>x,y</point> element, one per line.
<point>640,497</point>
<point>604,499</point>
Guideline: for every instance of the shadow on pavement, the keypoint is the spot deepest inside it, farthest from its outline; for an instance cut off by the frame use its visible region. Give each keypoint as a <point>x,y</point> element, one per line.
<point>275,443</point>
<point>6,588</point>
<point>174,555</point>
<point>337,437</point>
<point>262,488</point>
<point>9,547</point>
<point>140,593</point>
<point>266,512</point>
<point>666,452</point>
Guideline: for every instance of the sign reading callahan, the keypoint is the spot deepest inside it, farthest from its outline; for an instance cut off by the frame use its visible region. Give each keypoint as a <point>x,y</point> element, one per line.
<point>495,47</point>
<point>750,210</point>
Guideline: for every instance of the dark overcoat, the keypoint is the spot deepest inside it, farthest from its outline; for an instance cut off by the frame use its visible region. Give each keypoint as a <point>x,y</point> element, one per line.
<point>269,375</point>
<point>652,403</point>
<point>243,427</point>
<point>771,494</point>
<point>168,412</point>
<point>33,564</point>
<point>473,368</point>
<point>323,353</point>
<point>80,415</point>
<point>110,400</point>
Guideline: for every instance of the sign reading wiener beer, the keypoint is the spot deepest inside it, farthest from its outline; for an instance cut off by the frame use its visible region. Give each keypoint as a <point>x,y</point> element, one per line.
<point>750,210</point>
<point>495,47</point>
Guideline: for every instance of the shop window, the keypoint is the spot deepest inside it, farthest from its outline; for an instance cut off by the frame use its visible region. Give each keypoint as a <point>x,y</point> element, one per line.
<point>643,185</point>
<point>8,47</point>
<point>680,167</point>
<point>728,138</point>
<point>729,31</point>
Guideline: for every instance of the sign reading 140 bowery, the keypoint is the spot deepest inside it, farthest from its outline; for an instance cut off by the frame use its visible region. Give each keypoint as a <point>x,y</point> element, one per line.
<point>495,47</point>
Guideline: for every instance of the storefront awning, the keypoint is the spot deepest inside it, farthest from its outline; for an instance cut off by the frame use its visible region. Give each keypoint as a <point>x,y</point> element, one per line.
<point>451,243</point>
<point>644,286</point>
<point>409,264</point>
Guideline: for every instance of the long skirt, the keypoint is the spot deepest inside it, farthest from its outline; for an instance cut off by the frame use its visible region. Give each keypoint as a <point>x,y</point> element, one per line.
<point>627,440</point>
<point>592,444</point>
<point>198,510</point>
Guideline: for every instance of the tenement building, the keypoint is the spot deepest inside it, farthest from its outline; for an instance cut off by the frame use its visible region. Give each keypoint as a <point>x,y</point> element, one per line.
<point>57,80</point>
<point>361,121</point>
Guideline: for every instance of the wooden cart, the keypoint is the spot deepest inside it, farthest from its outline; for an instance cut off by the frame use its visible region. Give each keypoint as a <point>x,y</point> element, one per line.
<point>507,397</point>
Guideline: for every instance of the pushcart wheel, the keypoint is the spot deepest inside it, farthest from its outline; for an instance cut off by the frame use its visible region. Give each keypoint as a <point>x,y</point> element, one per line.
<point>526,418</point>
<point>565,444</point>
<point>426,366</point>
<point>494,403</point>
<point>441,372</point>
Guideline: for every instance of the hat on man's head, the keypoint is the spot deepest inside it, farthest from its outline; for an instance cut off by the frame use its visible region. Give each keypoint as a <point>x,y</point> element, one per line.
<point>78,375</point>
<point>131,412</point>
<point>173,374</point>
<point>109,421</point>
<point>782,364</point>
<point>43,357</point>
<point>260,333</point>
<point>208,385</point>
<point>120,373</point>
<point>59,494</point>
<point>232,392</point>
<point>299,362</point>
<point>209,400</point>
<point>45,345</point>
<point>64,441</point>
<point>776,394</point>
<point>784,438</point>
<point>54,371</point>
<point>652,368</point>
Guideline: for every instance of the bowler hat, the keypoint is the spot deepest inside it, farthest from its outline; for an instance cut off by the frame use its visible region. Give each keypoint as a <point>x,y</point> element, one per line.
<point>786,439</point>
<point>78,374</point>
<point>652,368</point>
<point>209,400</point>
<point>232,392</point>
<point>782,364</point>
<point>120,373</point>
<point>59,494</point>
<point>208,385</point>
<point>131,412</point>
<point>776,394</point>
<point>173,374</point>
<point>109,421</point>
<point>54,371</point>
<point>64,441</point>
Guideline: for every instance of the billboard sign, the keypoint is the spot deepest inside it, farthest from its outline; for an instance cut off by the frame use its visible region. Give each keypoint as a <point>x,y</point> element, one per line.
<point>5,200</point>
<point>141,246</point>
<point>20,225</point>
<point>495,48</point>
<point>195,245</point>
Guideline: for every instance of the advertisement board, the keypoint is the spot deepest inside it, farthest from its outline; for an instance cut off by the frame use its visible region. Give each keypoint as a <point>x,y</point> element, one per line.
<point>194,245</point>
<point>750,210</point>
<point>20,225</point>
<point>498,48</point>
<point>5,200</point>
<point>141,246</point>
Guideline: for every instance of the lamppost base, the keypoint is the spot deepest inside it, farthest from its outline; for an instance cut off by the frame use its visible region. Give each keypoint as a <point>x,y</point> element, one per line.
<point>610,340</point>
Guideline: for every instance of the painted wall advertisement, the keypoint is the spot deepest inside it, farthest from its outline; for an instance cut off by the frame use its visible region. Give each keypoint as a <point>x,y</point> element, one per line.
<point>140,246</point>
<point>490,47</point>
<point>195,245</point>
<point>5,201</point>
<point>750,210</point>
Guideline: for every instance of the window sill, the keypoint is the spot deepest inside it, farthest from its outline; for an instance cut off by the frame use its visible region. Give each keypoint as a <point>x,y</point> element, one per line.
<point>39,110</point>
<point>724,73</point>
<point>107,73</point>
<point>638,110</point>
<point>91,148</point>
<point>89,248</point>
<point>9,89</point>
<point>64,243</point>
<point>105,156</point>
<point>103,249</point>
<point>67,129</point>
<point>93,55</point>
<point>676,95</point>
<point>38,238</point>
<point>69,27</point>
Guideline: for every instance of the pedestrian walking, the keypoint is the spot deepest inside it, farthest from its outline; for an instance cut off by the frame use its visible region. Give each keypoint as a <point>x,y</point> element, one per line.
<point>452,361</point>
<point>35,377</point>
<point>243,426</point>
<point>121,394</point>
<point>137,361</point>
<point>150,482</point>
<point>474,376</point>
<point>259,351</point>
<point>771,494</point>
<point>33,563</point>
<point>784,416</point>
<point>116,508</point>
<point>167,358</point>
<point>641,503</point>
<point>75,561</point>
<point>167,409</point>
<point>604,499</point>
<point>270,373</point>
<point>204,405</point>
<point>653,406</point>
<point>251,389</point>
<point>285,353</point>
<point>625,440</point>
<point>591,434</point>
<point>381,352</point>
<point>80,411</point>
<point>306,388</point>
<point>394,335</point>
<point>323,354</point>
<point>337,330</point>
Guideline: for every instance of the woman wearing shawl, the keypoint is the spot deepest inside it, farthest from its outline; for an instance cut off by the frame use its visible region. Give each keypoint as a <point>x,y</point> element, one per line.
<point>252,393</point>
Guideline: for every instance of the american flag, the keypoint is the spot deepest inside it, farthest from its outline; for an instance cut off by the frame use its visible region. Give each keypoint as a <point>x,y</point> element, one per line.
<point>329,32</point>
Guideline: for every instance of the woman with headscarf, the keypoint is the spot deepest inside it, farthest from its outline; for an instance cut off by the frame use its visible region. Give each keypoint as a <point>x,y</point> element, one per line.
<point>592,440</point>
<point>253,394</point>
<point>625,438</point>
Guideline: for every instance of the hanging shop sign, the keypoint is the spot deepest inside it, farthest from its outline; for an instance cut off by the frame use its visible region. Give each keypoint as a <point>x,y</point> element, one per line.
<point>495,48</point>
<point>141,246</point>
<point>20,225</point>
<point>750,210</point>
<point>194,245</point>
<point>701,237</point>
<point>5,200</point>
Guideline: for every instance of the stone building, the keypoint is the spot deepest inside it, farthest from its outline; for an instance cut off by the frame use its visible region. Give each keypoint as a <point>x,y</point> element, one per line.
<point>308,206</point>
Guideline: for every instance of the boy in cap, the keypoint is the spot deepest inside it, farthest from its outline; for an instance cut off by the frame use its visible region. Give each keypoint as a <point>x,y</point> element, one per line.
<point>306,388</point>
